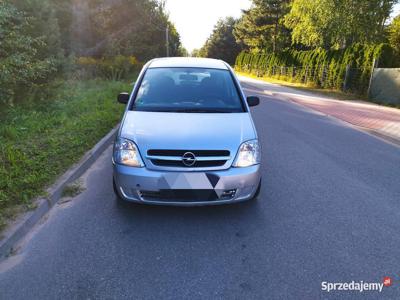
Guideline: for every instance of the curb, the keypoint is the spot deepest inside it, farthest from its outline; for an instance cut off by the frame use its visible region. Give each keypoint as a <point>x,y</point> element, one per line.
<point>18,230</point>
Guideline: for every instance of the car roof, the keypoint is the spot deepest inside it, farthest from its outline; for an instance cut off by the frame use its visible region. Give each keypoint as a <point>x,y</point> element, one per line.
<point>187,62</point>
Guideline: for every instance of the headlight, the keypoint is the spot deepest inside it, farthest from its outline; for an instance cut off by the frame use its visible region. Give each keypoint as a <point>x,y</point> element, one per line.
<point>127,153</point>
<point>248,154</point>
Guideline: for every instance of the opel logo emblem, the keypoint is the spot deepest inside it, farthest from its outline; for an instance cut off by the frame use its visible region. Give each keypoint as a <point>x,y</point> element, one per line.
<point>188,159</point>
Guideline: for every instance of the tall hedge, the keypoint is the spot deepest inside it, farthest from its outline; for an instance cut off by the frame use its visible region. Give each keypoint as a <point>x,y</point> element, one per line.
<point>324,68</point>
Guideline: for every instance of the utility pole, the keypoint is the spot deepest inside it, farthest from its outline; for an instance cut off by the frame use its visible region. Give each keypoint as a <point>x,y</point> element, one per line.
<point>374,64</point>
<point>167,39</point>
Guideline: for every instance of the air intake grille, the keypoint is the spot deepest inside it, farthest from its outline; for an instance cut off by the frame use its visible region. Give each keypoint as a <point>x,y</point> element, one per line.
<point>197,164</point>
<point>180,153</point>
<point>174,158</point>
<point>179,195</point>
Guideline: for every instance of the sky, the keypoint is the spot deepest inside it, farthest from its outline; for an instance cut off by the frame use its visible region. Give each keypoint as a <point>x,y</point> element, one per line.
<point>396,10</point>
<point>195,19</point>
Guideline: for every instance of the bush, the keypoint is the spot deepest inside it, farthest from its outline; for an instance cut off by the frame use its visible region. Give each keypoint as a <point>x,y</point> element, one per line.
<point>21,68</point>
<point>112,68</point>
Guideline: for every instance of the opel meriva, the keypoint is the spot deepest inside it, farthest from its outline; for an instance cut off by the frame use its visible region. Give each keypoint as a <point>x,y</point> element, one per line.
<point>187,136</point>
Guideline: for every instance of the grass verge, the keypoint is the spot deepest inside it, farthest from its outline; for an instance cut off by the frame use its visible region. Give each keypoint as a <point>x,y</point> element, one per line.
<point>42,139</point>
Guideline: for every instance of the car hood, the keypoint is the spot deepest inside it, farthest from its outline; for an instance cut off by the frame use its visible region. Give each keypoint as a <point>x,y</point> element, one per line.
<point>187,131</point>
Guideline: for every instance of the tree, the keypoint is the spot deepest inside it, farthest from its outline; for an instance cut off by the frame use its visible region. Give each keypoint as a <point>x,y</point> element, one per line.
<point>338,23</point>
<point>175,45</point>
<point>183,52</point>
<point>130,27</point>
<point>102,27</point>
<point>64,13</point>
<point>43,24</point>
<point>394,33</point>
<point>261,27</point>
<point>195,53</point>
<point>41,37</point>
<point>21,65</point>
<point>222,44</point>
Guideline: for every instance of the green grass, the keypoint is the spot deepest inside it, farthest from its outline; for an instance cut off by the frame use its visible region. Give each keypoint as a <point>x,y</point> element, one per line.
<point>42,139</point>
<point>73,189</point>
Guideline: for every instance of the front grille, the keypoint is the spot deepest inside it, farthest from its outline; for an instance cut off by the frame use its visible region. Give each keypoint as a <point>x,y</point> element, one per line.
<point>179,195</point>
<point>197,164</point>
<point>199,153</point>
<point>173,158</point>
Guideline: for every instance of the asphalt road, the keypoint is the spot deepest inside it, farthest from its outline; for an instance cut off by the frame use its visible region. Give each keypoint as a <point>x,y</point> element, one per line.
<point>329,210</point>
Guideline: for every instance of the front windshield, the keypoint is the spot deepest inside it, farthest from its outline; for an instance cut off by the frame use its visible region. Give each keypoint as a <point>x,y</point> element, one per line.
<point>188,90</point>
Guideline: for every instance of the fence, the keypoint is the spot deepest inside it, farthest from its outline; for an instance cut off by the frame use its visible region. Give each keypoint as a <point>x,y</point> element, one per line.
<point>385,86</point>
<point>348,79</point>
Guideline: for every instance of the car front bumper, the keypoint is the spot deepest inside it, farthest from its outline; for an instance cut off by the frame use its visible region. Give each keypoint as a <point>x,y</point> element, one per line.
<point>225,186</point>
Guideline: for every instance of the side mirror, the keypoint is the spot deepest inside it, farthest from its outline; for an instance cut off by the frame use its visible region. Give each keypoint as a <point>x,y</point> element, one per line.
<point>123,98</point>
<point>253,101</point>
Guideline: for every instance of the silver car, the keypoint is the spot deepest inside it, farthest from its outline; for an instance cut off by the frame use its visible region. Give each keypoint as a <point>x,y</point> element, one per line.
<point>187,137</point>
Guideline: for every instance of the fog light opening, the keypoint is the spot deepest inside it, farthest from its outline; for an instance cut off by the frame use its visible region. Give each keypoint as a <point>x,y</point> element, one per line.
<point>228,194</point>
